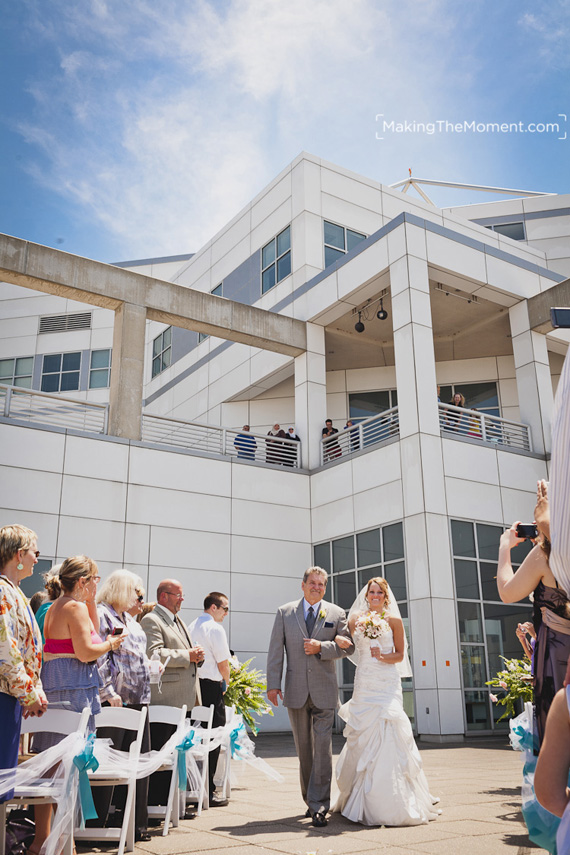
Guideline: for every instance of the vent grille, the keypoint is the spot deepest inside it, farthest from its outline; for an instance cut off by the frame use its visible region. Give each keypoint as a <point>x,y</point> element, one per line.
<point>64,323</point>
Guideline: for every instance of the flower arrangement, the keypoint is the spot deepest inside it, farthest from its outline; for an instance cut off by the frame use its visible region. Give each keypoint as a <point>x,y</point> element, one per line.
<point>515,681</point>
<point>246,693</point>
<point>372,625</point>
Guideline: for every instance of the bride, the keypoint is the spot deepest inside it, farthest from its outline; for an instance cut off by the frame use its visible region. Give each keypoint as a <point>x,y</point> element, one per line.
<point>379,772</point>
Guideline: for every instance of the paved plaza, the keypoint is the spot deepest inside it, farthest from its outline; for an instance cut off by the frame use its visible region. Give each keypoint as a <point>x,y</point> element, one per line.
<point>478,782</point>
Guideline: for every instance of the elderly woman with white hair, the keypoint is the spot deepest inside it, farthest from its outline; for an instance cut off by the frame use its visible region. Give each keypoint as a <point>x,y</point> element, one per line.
<point>129,673</point>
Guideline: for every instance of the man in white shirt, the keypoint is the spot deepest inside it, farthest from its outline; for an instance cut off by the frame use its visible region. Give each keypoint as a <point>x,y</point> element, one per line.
<point>208,632</point>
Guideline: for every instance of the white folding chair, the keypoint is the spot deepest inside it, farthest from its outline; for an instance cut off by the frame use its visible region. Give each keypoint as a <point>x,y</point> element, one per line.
<point>44,792</point>
<point>200,752</point>
<point>223,770</point>
<point>168,715</point>
<point>126,719</point>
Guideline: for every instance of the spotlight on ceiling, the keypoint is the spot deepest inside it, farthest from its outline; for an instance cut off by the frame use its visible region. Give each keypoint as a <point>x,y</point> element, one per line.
<point>359,326</point>
<point>382,314</point>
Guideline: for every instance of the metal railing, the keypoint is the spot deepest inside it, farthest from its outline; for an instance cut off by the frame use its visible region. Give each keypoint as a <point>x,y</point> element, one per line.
<point>279,451</point>
<point>366,433</point>
<point>458,421</point>
<point>54,410</point>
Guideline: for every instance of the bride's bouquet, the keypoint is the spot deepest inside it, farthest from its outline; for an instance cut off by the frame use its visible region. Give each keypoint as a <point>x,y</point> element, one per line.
<point>372,625</point>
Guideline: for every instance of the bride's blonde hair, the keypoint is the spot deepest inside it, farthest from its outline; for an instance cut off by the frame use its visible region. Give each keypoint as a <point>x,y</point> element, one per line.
<point>383,585</point>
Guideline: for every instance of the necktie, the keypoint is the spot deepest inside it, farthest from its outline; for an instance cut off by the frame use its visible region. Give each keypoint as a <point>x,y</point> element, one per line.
<point>310,620</point>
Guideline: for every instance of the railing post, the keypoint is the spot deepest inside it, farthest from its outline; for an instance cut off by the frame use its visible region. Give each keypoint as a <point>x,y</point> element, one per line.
<point>360,435</point>
<point>106,419</point>
<point>7,402</point>
<point>483,427</point>
<point>223,441</point>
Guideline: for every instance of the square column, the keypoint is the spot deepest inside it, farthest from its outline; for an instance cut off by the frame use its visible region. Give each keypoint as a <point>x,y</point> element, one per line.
<point>311,396</point>
<point>534,381</point>
<point>127,371</point>
<point>433,620</point>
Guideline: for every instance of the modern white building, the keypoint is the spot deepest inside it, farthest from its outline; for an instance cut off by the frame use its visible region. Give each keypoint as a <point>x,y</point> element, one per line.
<point>415,490</point>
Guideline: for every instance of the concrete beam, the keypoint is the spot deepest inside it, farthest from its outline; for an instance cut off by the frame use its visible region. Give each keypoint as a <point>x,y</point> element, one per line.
<point>55,272</point>
<point>540,305</point>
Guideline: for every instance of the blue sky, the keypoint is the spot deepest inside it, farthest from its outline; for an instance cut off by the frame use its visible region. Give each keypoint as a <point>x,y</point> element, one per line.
<point>136,128</point>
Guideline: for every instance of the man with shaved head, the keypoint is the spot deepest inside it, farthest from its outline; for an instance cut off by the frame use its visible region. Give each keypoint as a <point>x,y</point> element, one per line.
<point>167,635</point>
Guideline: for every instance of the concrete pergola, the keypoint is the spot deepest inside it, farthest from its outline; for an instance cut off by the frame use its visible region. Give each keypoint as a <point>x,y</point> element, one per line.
<point>136,298</point>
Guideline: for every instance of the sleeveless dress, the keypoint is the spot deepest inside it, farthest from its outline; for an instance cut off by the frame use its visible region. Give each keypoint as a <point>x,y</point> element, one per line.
<point>379,772</point>
<point>69,684</point>
<point>552,648</point>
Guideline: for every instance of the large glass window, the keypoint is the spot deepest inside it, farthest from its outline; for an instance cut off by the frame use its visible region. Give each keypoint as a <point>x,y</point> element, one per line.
<point>276,260</point>
<point>218,291</point>
<point>100,369</point>
<point>60,372</point>
<point>363,405</point>
<point>162,351</point>
<point>515,231</point>
<point>352,561</point>
<point>486,625</point>
<point>17,372</point>
<point>483,397</point>
<point>338,241</point>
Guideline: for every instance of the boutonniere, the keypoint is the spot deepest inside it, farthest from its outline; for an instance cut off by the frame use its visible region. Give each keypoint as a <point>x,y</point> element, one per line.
<point>322,614</point>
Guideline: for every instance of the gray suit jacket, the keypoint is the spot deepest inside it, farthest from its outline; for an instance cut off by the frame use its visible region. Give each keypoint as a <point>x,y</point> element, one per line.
<point>306,675</point>
<point>179,683</point>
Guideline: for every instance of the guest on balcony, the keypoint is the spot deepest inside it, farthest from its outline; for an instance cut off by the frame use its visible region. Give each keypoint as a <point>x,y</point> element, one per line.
<point>274,453</point>
<point>245,444</point>
<point>452,417</point>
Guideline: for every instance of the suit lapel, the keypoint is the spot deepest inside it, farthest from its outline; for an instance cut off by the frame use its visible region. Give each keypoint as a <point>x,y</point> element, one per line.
<point>300,615</point>
<point>170,622</point>
<point>321,618</point>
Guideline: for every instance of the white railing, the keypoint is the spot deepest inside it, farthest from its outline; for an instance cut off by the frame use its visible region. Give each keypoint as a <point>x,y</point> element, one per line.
<point>368,432</point>
<point>217,440</point>
<point>458,421</point>
<point>47,409</point>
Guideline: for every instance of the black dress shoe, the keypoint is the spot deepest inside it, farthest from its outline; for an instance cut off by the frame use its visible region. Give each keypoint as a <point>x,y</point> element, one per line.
<point>216,802</point>
<point>189,814</point>
<point>142,836</point>
<point>307,813</point>
<point>320,819</point>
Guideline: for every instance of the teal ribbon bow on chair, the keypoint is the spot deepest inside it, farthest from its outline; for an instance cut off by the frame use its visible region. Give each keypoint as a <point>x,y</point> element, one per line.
<point>184,746</point>
<point>86,761</point>
<point>235,747</point>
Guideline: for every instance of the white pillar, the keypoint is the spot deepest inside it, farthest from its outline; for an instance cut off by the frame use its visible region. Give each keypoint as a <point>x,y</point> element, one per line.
<point>534,381</point>
<point>433,621</point>
<point>311,396</point>
<point>127,371</point>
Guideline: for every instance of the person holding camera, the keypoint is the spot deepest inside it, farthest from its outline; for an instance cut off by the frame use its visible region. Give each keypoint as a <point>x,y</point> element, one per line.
<point>551,615</point>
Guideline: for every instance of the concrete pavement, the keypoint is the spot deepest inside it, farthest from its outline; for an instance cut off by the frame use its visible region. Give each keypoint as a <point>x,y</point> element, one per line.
<point>478,782</point>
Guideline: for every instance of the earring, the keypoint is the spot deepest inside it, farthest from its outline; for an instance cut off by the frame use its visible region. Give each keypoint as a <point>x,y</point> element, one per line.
<point>20,566</point>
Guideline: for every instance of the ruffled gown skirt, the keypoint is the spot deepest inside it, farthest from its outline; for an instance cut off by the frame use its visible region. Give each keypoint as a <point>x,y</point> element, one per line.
<point>379,772</point>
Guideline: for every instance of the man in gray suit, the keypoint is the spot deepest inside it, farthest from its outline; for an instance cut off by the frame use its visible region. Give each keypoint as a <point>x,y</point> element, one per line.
<point>169,636</point>
<point>305,630</point>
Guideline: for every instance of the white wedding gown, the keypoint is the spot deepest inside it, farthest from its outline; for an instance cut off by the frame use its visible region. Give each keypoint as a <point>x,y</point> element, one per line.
<point>379,772</point>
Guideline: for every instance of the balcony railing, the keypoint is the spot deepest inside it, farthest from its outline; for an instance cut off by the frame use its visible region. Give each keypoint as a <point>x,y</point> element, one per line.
<point>458,421</point>
<point>366,433</point>
<point>41,408</point>
<point>218,440</point>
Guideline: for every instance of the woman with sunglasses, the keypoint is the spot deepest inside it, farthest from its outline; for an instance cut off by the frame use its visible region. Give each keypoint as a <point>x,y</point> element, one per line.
<point>127,669</point>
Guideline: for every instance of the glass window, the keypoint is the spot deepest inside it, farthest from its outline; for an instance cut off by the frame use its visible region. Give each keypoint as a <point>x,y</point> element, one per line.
<point>344,586</point>
<point>473,666</point>
<point>488,537</point>
<point>363,405</point>
<point>276,260</point>
<point>368,547</point>
<point>470,627</point>
<point>348,671</point>
<point>60,372</point>
<point>466,581</point>
<point>515,231</point>
<point>17,372</point>
<point>395,575</point>
<point>369,573</point>
<point>483,397</point>
<point>218,291</point>
<point>338,241</point>
<point>100,369</point>
<point>322,556</point>
<point>343,554</point>
<point>162,351</point>
<point>393,536</point>
<point>489,581</point>
<point>500,625</point>
<point>477,710</point>
<point>462,538</point>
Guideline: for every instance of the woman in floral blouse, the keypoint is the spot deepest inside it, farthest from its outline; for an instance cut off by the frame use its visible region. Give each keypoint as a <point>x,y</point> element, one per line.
<point>20,643</point>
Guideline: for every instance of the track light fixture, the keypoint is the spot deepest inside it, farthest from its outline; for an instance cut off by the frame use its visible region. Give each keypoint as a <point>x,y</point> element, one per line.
<point>359,326</point>
<point>382,314</point>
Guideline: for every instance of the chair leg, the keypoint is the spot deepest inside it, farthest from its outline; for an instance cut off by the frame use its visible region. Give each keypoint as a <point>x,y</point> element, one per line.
<point>171,795</point>
<point>3,828</point>
<point>127,839</point>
